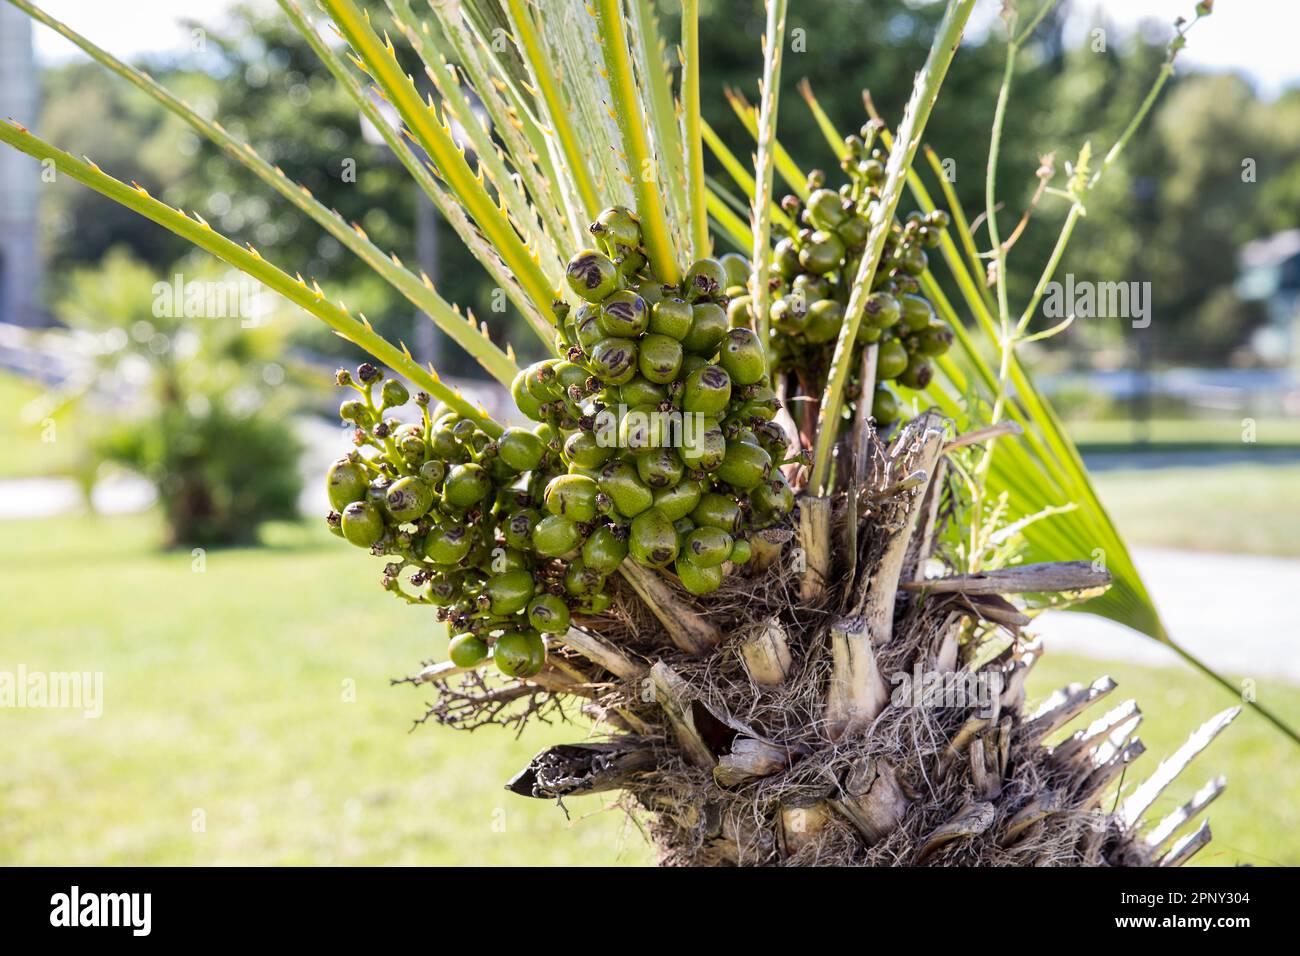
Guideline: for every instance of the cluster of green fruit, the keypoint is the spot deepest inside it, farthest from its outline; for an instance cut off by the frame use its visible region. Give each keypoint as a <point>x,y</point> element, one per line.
<point>653,440</point>
<point>814,267</point>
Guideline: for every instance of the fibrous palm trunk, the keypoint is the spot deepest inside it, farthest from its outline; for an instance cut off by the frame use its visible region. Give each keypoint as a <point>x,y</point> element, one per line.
<point>832,707</point>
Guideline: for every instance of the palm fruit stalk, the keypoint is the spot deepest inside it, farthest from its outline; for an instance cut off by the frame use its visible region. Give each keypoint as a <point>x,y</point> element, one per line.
<point>639,544</point>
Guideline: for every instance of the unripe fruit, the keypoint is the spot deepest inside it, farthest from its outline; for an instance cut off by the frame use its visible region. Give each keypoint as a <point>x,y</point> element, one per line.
<point>584,449</point>
<point>717,511</point>
<point>671,317</point>
<point>604,550</point>
<point>678,501</point>
<point>448,544</point>
<point>346,483</point>
<point>708,326</point>
<point>629,494</point>
<point>773,497</point>
<point>466,485</point>
<point>739,314</point>
<point>549,614</point>
<point>519,653</point>
<point>744,465</point>
<point>466,650</point>
<point>580,580</point>
<point>555,535</point>
<point>736,268</point>
<point>699,580</point>
<point>741,551</point>
<point>707,391</point>
<point>518,529</point>
<point>624,314</point>
<point>362,524</point>
<point>616,225</point>
<point>524,399</point>
<point>706,547</point>
<point>742,357</point>
<point>652,541</point>
<point>705,278</point>
<point>891,360</point>
<point>917,312</point>
<point>409,499</point>
<point>660,467</point>
<point>881,310</point>
<point>823,253</point>
<point>614,360</point>
<point>520,449</point>
<point>660,358</point>
<point>642,391</point>
<point>884,406</point>
<point>825,209</point>
<point>573,496</point>
<point>703,444</point>
<point>825,317</point>
<point>509,592</point>
<point>592,275</point>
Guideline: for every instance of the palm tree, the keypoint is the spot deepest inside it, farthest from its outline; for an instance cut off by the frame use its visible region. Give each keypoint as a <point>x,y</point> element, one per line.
<point>831,700</point>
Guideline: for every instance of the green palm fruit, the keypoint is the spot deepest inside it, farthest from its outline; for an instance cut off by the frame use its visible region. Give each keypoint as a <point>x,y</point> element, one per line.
<point>623,314</point>
<point>760,402</point>
<point>394,393</point>
<point>690,363</point>
<point>586,326</point>
<point>853,232</point>
<point>934,339</point>
<point>592,275</point>
<point>467,650</point>
<point>918,375</point>
<point>598,603</point>
<point>774,497</point>
<point>520,449</point>
<point>519,653</point>
<point>913,260</point>
<point>628,493</point>
<point>466,485</point>
<point>580,580</point>
<point>825,209</point>
<point>736,268</point>
<point>448,544</point>
<point>355,411</point>
<point>822,253</point>
<point>643,427</point>
<point>445,589</point>
<point>683,526</point>
<point>881,310</point>
<point>604,549</point>
<point>678,500</point>
<point>739,313</point>
<point>362,524</point>
<point>510,592</point>
<point>617,227</point>
<point>717,511</point>
<point>671,317</point>
<point>706,547</point>
<point>867,334</point>
<point>524,401</point>
<point>708,326</point>
<point>938,218</point>
<point>642,391</point>
<point>660,358</point>
<point>652,541</point>
<point>825,317</point>
<point>811,287</point>
<point>785,258</point>
<point>917,312</point>
<point>346,482</point>
<point>652,291</point>
<point>891,360</point>
<point>884,406</point>
<point>573,496</point>
<point>744,465</point>
<point>585,450</point>
<point>518,531</point>
<point>570,374</point>
<point>741,356</point>
<point>549,614</point>
<point>541,381</point>
<point>660,468</point>
<point>704,279</point>
<point>703,443</point>
<point>707,391</point>
<point>502,560</point>
<point>614,360</point>
<point>555,535</point>
<point>772,438</point>
<point>741,551</point>
<point>408,499</point>
<point>699,580</point>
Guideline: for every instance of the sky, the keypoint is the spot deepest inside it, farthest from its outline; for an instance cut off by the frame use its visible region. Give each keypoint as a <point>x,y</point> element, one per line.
<point>1254,36</point>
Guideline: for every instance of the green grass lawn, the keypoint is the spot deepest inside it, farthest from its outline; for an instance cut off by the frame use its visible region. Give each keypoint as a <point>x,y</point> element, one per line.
<point>1189,434</point>
<point>228,735</point>
<point>1245,509</point>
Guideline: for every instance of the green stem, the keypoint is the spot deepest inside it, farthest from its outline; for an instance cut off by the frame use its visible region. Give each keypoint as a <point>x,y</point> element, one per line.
<point>924,93</point>
<point>631,121</point>
<point>700,243</point>
<point>760,211</point>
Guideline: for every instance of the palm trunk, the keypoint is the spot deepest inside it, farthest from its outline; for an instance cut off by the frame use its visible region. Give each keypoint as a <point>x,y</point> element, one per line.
<point>842,718</point>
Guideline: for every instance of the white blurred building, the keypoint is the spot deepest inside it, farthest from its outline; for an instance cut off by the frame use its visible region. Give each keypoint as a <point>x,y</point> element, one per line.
<point>20,176</point>
<point>1269,272</point>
